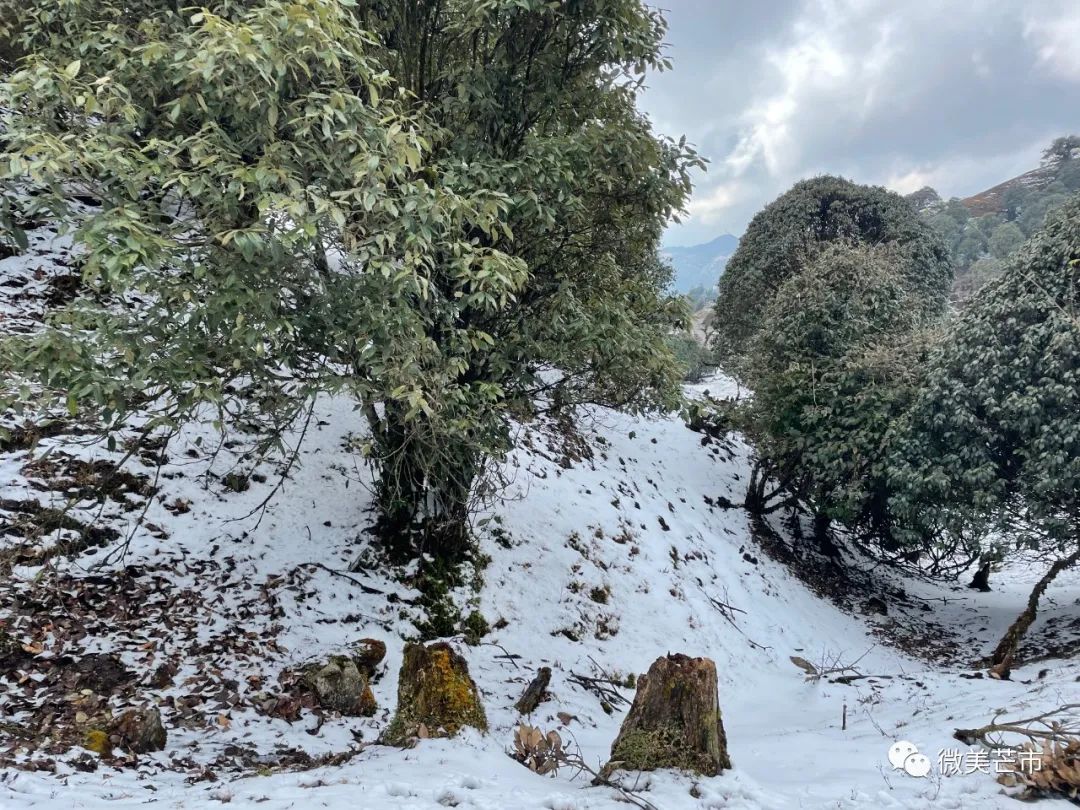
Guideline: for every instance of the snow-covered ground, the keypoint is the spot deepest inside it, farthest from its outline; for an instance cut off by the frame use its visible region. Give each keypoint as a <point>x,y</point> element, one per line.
<point>597,566</point>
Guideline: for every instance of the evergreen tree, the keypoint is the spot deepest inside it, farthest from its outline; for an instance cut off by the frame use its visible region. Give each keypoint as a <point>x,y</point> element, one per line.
<point>995,434</point>
<point>787,235</point>
<point>834,364</point>
<point>425,206</point>
<point>992,443</point>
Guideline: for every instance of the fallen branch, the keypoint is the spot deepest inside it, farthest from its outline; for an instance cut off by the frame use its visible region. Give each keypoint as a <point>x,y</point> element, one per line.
<point>831,666</point>
<point>1050,726</point>
<point>1001,662</point>
<point>509,656</point>
<point>546,753</point>
<point>604,687</point>
<point>728,612</point>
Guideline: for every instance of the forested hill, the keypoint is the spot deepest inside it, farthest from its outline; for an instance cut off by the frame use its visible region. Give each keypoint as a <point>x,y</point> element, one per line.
<point>984,229</point>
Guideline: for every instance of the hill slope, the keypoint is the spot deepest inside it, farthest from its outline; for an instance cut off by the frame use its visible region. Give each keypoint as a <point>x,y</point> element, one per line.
<point>984,229</point>
<point>993,200</point>
<point>612,547</point>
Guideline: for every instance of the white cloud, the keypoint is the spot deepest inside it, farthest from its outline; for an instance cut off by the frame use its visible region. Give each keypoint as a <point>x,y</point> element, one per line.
<point>955,94</point>
<point>910,181</point>
<point>822,63</point>
<point>709,205</point>
<point>1054,31</point>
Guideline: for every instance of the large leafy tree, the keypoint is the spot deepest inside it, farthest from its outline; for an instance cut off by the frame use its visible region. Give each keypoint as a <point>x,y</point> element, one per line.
<point>438,208</point>
<point>825,311</point>
<point>786,235</point>
<point>260,216</point>
<point>993,446</point>
<point>834,363</point>
<point>536,100</point>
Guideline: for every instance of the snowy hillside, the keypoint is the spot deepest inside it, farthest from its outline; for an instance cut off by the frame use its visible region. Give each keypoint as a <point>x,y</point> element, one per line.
<point>611,547</point>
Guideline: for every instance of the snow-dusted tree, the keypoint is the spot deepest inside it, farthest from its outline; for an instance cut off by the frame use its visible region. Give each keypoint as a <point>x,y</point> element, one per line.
<point>422,205</point>
<point>536,100</point>
<point>786,236</point>
<point>835,362</point>
<point>993,444</point>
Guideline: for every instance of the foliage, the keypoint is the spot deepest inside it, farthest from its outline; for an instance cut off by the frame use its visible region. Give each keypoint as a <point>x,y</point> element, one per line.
<point>1004,239</point>
<point>787,235</point>
<point>834,364</point>
<point>1063,148</point>
<point>993,441</point>
<point>307,196</point>
<point>692,357</point>
<point>540,106</point>
<point>700,297</point>
<point>228,153</point>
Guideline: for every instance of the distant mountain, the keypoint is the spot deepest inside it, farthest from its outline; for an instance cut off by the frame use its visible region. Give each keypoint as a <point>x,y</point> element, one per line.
<point>1058,165</point>
<point>994,200</point>
<point>701,265</point>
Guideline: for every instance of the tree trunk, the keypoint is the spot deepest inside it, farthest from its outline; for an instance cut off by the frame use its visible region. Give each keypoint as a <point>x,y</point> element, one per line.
<point>423,491</point>
<point>755,491</point>
<point>674,721</point>
<point>823,537</point>
<point>981,580</point>
<point>1001,662</point>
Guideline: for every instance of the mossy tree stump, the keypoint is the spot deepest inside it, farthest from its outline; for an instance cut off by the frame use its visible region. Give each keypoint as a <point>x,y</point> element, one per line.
<point>436,696</point>
<point>674,721</point>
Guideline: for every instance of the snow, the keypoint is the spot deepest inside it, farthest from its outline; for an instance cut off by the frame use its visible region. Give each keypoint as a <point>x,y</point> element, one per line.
<point>600,564</point>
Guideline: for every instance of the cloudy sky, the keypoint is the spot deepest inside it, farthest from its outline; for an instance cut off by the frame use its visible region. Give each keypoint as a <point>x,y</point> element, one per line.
<point>957,94</point>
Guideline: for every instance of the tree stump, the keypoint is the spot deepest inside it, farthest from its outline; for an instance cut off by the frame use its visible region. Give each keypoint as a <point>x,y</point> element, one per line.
<point>368,653</point>
<point>534,692</point>
<point>436,696</point>
<point>674,721</point>
<point>981,580</point>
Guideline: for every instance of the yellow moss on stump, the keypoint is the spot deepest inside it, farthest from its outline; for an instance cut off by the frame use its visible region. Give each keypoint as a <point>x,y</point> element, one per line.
<point>97,741</point>
<point>436,696</point>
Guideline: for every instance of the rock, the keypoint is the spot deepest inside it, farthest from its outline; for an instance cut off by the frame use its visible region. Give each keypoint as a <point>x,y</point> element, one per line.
<point>341,687</point>
<point>674,721</point>
<point>104,673</point>
<point>436,696</point>
<point>12,654</point>
<point>163,675</point>
<point>138,730</point>
<point>368,653</point>
<point>84,762</point>
<point>981,580</point>
<point>876,605</point>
